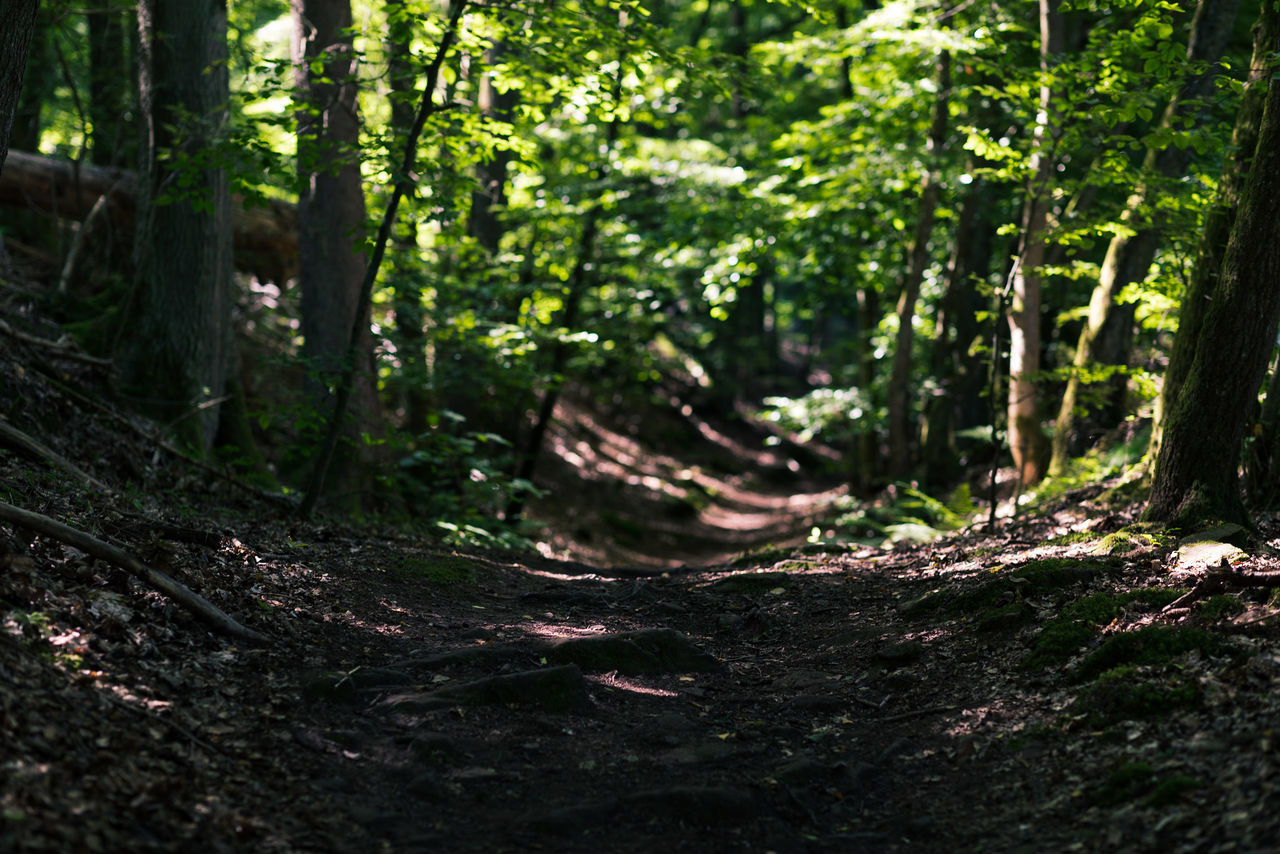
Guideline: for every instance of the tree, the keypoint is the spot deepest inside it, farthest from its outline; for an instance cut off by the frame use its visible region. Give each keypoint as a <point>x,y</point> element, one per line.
<point>900,430</point>
<point>1027,440</point>
<point>1197,471</point>
<point>1108,330</point>
<point>331,231</point>
<point>176,359</point>
<point>17,25</point>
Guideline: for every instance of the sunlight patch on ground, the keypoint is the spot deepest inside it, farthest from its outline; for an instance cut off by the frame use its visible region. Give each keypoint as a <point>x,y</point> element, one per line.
<point>613,680</point>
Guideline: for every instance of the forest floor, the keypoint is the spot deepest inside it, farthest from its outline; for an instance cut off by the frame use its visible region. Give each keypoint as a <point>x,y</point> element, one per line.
<point>1027,688</point>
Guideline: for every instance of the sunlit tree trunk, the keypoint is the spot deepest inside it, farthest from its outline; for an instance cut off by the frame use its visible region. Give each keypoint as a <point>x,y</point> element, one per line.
<point>17,24</point>
<point>331,231</point>
<point>177,355</point>
<point>1108,332</point>
<point>1027,441</point>
<point>1197,473</point>
<point>901,429</point>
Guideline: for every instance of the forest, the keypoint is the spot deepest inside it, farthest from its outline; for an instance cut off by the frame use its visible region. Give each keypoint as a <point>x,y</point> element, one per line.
<point>488,425</point>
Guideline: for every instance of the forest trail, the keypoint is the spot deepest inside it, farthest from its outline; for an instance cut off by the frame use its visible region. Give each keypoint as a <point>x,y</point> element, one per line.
<point>666,487</point>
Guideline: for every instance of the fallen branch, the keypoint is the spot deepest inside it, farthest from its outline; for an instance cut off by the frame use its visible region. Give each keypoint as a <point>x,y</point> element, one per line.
<point>197,604</point>
<point>64,349</point>
<point>13,436</point>
<point>1218,579</point>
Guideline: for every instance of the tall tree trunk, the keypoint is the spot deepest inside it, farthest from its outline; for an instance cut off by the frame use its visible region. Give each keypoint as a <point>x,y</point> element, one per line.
<point>901,429</point>
<point>17,25</point>
<point>331,233</point>
<point>1027,440</point>
<point>39,83</point>
<point>1218,224</point>
<point>1108,333</point>
<point>1197,473</point>
<point>177,356</point>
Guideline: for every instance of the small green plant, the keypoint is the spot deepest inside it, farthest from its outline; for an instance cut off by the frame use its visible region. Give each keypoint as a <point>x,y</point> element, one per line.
<point>1171,791</point>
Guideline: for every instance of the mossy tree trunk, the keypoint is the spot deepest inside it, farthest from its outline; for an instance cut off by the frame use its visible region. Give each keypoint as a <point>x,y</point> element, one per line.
<point>1197,472</point>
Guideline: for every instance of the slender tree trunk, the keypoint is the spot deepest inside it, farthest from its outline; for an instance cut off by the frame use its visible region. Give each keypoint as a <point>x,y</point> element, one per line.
<point>1197,473</point>
<point>959,405</point>
<point>176,360</point>
<point>1027,440</point>
<point>407,285</point>
<point>490,194</point>
<point>17,24</point>
<point>901,430</point>
<point>331,233</point>
<point>1108,333</point>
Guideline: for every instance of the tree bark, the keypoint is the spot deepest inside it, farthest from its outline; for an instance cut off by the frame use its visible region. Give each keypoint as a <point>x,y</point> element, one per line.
<point>176,363</point>
<point>1027,440</point>
<point>1108,332</point>
<point>1219,220</point>
<point>17,24</point>
<point>901,430</point>
<point>1197,473</point>
<point>331,235</point>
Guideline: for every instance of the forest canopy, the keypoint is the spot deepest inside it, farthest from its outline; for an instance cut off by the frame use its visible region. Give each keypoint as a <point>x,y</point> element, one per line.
<point>361,252</point>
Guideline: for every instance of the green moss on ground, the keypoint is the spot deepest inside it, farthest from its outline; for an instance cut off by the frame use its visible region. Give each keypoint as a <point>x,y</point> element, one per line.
<point>436,569</point>
<point>1149,645</point>
<point>1079,622</point>
<point>1124,694</point>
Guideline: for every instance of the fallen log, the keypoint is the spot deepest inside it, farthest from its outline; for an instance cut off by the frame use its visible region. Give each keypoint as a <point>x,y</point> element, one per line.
<point>174,589</point>
<point>265,238</point>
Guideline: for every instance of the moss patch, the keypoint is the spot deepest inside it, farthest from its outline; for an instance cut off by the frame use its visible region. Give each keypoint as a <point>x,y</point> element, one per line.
<point>1219,607</point>
<point>1149,645</point>
<point>1079,622</point>
<point>1123,694</point>
<point>436,569</point>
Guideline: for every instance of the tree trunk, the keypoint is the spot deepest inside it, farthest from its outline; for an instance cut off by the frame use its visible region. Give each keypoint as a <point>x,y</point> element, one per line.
<point>413,378</point>
<point>174,363</point>
<point>1197,473</point>
<point>901,429</point>
<point>1108,333</point>
<point>1027,440</point>
<point>960,405</point>
<point>110,132</point>
<point>17,24</point>
<point>39,83</point>
<point>1219,220</point>
<point>331,234</point>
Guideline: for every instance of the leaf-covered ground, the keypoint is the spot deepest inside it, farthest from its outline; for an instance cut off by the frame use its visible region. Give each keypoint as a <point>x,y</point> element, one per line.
<point>1043,686</point>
